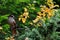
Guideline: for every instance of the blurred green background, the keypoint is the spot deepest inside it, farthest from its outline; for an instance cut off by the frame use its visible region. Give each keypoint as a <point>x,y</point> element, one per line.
<point>50,29</point>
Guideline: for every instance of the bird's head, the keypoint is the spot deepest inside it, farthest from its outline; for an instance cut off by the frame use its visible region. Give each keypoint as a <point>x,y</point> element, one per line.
<point>11,16</point>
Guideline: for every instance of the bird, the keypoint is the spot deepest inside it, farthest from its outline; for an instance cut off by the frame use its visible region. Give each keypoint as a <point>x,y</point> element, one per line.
<point>12,24</point>
<point>15,29</point>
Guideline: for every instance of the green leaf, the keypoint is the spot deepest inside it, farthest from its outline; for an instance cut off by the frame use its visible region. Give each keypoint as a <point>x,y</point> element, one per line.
<point>18,1</point>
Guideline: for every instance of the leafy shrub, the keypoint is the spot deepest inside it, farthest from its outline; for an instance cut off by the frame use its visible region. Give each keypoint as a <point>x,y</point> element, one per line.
<point>38,18</point>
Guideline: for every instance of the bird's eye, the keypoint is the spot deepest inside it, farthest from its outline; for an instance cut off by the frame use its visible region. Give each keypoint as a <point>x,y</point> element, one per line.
<point>12,15</point>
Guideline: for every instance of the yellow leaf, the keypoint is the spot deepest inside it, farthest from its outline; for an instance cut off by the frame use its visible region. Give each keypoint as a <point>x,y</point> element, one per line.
<point>25,14</point>
<point>36,20</point>
<point>1,28</point>
<point>19,19</point>
<point>49,17</point>
<point>31,23</point>
<point>25,9</point>
<point>23,20</point>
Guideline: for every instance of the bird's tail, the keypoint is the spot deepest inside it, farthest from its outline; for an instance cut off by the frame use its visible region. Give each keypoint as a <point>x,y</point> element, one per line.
<point>14,32</point>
